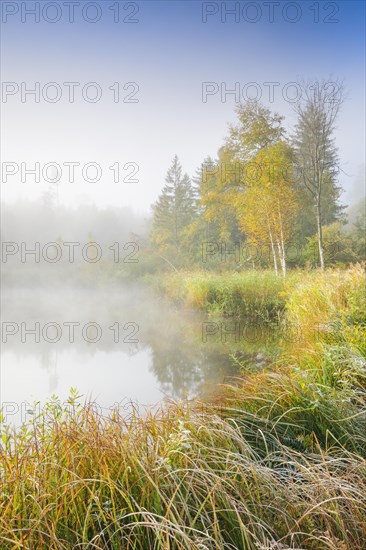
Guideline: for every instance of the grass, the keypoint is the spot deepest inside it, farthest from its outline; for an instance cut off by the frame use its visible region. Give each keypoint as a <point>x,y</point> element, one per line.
<point>273,460</point>
<point>331,297</point>
<point>188,479</point>
<point>251,292</point>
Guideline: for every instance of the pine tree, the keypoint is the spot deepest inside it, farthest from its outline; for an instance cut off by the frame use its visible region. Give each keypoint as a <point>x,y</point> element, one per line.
<point>174,210</point>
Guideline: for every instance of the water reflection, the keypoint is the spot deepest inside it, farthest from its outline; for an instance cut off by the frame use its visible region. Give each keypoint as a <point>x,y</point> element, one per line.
<point>113,345</point>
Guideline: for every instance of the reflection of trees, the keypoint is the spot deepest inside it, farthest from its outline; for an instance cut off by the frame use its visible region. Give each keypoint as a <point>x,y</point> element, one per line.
<point>48,361</point>
<point>183,369</point>
<point>188,370</point>
<point>182,362</point>
<point>185,365</point>
<point>177,374</point>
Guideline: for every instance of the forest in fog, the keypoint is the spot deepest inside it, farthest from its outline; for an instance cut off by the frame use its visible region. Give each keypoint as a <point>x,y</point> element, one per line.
<point>270,198</point>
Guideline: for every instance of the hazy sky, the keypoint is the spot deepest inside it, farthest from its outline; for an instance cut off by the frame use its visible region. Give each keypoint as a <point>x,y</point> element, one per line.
<point>168,49</point>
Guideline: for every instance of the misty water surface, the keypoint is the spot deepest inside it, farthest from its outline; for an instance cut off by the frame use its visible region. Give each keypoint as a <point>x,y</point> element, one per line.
<point>135,346</point>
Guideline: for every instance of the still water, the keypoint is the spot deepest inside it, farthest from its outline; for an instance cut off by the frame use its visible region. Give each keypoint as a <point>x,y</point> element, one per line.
<point>116,345</point>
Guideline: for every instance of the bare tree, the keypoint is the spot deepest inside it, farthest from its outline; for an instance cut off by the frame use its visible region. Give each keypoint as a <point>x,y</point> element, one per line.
<point>316,153</point>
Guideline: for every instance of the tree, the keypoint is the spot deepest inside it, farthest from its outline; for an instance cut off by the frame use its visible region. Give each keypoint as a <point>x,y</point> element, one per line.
<point>267,209</point>
<point>236,181</point>
<point>316,153</point>
<point>257,129</point>
<point>340,246</point>
<point>174,210</point>
<point>216,200</point>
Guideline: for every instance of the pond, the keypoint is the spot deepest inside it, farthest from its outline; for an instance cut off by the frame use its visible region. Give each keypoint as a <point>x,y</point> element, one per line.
<point>117,345</point>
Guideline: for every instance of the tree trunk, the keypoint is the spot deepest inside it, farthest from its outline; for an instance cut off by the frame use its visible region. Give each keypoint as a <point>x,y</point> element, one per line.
<point>320,234</point>
<point>281,253</point>
<point>284,266</point>
<point>272,244</point>
<point>281,246</point>
<point>273,253</point>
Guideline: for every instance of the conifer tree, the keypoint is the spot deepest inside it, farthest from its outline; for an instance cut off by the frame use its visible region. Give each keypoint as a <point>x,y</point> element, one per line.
<point>174,210</point>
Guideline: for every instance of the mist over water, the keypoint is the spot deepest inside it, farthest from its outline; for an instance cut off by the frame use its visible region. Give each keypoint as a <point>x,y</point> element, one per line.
<point>115,344</point>
<point>77,312</point>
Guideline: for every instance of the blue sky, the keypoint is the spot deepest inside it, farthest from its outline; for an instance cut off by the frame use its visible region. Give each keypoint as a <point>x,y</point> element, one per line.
<point>169,53</point>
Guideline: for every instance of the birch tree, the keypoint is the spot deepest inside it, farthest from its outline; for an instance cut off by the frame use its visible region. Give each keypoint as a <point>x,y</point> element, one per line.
<point>267,210</point>
<point>316,154</point>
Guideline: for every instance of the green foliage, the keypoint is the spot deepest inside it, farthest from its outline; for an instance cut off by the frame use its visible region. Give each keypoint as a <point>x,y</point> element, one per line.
<point>358,234</point>
<point>173,212</point>
<point>331,209</point>
<point>339,246</point>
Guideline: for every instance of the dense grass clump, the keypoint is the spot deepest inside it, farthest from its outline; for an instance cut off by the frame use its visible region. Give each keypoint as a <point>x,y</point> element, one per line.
<point>251,292</point>
<point>187,478</point>
<point>318,387</point>
<point>329,306</point>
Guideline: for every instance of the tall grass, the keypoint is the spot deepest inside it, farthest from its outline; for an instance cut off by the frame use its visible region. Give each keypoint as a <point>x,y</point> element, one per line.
<point>250,292</point>
<point>186,479</point>
<point>274,460</point>
<point>330,306</point>
<point>318,387</point>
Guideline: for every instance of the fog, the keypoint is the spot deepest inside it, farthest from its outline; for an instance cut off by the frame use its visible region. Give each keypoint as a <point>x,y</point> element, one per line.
<point>43,243</point>
<point>44,221</point>
<point>77,307</point>
<point>77,312</point>
<point>93,325</point>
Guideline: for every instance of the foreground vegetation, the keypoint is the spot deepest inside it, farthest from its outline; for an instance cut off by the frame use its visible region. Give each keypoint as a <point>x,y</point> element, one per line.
<point>274,460</point>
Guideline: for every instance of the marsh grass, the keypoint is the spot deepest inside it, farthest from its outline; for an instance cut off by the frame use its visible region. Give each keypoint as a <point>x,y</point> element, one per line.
<point>273,460</point>
<point>329,306</point>
<point>248,293</point>
<point>179,478</point>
